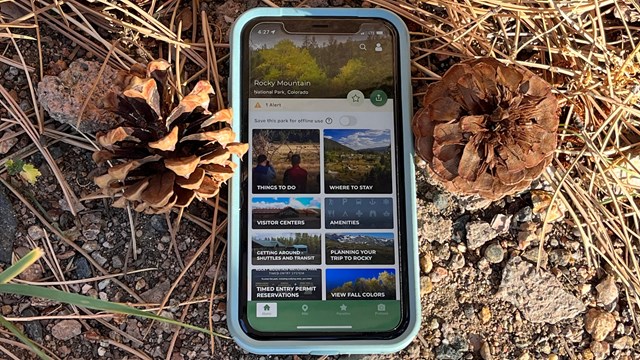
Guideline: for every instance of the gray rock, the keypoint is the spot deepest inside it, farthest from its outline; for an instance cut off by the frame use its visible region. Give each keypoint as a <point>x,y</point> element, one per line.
<point>532,255</point>
<point>538,295</point>
<point>441,201</point>
<point>8,224</point>
<point>116,262</point>
<point>101,260</point>
<point>560,257</point>
<point>478,233</point>
<point>494,253</point>
<point>33,329</point>
<point>453,350</point>
<point>83,270</point>
<point>159,224</point>
<point>437,229</point>
<point>35,232</point>
<point>63,96</point>
<point>66,329</point>
<point>501,223</point>
<point>157,293</point>
<point>524,215</point>
<point>607,291</point>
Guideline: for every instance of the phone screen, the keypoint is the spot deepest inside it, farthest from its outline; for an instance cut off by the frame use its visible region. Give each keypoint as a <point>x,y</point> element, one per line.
<point>323,246</point>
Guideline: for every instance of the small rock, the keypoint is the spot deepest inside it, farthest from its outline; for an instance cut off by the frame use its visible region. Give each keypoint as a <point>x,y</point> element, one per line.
<point>83,270</point>
<point>99,258</point>
<point>90,246</point>
<point>485,314</point>
<point>438,274</point>
<point>64,205</point>
<point>116,262</point>
<point>8,224</point>
<point>35,232</point>
<point>66,329</point>
<point>552,357</point>
<point>600,349</point>
<point>599,324</point>
<point>607,291</point>
<point>103,284</point>
<point>140,284</point>
<point>442,253</point>
<point>6,310</point>
<point>584,289</point>
<point>526,235</point>
<point>437,229</point>
<point>91,231</point>
<point>7,141</point>
<point>166,327</point>
<point>157,293</point>
<point>560,257</point>
<point>426,286</point>
<point>532,255</point>
<point>501,223</point>
<point>478,233</point>
<point>524,356</point>
<point>457,262</point>
<point>524,215</point>
<point>101,351</point>
<point>426,264</point>
<point>63,96</point>
<point>33,329</point>
<point>441,201</point>
<point>538,295</point>
<point>453,350</point>
<point>159,223</point>
<point>32,273</point>
<point>622,343</point>
<point>494,253</point>
<point>485,351</point>
<point>587,354</point>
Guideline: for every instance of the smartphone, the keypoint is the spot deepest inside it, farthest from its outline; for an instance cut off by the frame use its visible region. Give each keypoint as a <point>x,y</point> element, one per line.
<point>322,228</point>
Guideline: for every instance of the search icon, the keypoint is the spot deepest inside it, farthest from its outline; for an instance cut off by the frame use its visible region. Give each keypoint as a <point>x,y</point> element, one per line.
<point>363,47</point>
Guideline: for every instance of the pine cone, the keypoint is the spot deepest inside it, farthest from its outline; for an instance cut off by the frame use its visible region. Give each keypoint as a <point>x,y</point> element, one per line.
<point>170,155</point>
<point>486,128</point>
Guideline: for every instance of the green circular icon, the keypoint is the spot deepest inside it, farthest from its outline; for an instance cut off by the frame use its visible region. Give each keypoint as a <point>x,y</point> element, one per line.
<point>378,98</point>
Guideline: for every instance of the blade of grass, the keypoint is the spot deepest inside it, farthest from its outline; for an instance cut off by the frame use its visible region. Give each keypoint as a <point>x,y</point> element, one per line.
<point>95,304</point>
<point>20,266</point>
<point>17,333</point>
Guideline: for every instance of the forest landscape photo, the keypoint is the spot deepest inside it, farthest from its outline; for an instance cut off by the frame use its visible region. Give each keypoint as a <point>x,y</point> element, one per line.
<point>357,157</point>
<point>333,66</point>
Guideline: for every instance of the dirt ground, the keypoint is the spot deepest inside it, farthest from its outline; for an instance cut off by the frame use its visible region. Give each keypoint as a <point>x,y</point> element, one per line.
<point>466,313</point>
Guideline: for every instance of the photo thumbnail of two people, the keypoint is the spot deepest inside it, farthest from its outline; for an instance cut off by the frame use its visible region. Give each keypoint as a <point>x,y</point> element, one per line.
<point>264,173</point>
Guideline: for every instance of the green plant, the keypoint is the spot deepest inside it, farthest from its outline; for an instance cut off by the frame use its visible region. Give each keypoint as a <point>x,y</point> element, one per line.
<point>26,170</point>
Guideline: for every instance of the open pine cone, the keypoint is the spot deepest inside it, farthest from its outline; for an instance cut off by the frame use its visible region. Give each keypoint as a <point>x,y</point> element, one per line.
<point>486,128</point>
<point>168,155</point>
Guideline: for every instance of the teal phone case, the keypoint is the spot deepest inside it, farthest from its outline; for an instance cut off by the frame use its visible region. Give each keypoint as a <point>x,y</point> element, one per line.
<point>333,347</point>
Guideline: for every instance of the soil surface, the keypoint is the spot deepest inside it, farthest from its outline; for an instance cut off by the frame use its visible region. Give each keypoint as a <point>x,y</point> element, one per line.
<point>482,297</point>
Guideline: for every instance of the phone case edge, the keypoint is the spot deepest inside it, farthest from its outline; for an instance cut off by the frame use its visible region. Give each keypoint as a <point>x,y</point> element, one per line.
<point>233,256</point>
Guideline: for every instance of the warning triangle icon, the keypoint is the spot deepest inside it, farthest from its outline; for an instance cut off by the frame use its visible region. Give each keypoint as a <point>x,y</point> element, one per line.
<point>258,106</point>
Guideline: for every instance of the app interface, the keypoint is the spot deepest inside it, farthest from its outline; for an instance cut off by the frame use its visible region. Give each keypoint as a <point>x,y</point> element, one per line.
<point>323,251</point>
